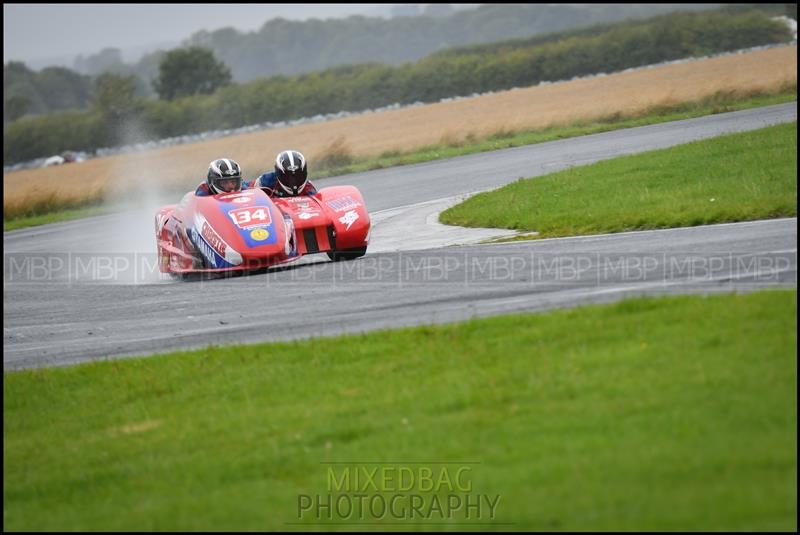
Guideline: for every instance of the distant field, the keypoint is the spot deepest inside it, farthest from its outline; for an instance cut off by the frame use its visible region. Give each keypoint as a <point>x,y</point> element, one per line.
<point>621,94</point>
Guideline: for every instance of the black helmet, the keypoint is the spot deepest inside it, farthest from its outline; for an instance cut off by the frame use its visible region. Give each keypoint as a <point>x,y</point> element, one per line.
<point>291,171</point>
<point>221,170</point>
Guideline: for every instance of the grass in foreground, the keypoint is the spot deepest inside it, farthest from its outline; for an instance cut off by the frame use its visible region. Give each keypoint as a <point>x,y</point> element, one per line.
<point>339,160</point>
<point>654,414</point>
<point>739,177</point>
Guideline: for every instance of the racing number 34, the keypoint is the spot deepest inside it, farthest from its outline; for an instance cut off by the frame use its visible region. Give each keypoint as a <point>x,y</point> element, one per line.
<point>252,216</point>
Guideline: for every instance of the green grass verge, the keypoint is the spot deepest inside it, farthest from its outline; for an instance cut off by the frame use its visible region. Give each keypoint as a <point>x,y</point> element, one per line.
<point>738,177</point>
<point>674,413</point>
<point>340,161</point>
<point>55,217</point>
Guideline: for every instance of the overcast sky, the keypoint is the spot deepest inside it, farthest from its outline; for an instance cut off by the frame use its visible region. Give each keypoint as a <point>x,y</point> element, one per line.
<point>34,33</point>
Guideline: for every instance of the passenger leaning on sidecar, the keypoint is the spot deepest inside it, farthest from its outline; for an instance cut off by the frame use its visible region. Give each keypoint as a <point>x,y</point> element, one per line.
<point>224,176</point>
<point>289,179</point>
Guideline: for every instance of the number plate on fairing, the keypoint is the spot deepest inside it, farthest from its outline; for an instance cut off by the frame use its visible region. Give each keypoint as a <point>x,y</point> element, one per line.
<point>254,223</point>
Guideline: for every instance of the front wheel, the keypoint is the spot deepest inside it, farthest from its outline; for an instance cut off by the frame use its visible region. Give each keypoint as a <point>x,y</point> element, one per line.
<point>347,254</point>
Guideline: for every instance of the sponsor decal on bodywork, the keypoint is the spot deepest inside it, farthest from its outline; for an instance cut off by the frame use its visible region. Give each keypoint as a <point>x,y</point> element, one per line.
<point>259,234</point>
<point>249,219</point>
<point>208,253</point>
<point>349,218</point>
<point>213,239</point>
<point>218,253</point>
<point>343,203</point>
<point>305,208</point>
<point>238,197</point>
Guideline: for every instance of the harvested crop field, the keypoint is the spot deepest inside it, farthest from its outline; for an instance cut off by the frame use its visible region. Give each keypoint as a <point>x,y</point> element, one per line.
<point>628,93</point>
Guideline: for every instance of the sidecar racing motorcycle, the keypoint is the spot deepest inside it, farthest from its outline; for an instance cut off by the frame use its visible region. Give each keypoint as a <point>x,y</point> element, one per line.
<point>249,230</point>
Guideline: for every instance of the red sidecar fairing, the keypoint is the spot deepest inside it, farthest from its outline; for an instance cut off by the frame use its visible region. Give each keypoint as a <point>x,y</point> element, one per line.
<point>249,230</point>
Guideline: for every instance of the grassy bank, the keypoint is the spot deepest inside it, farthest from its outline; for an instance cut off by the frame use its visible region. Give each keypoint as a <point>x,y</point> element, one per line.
<point>340,158</point>
<point>339,161</point>
<point>738,177</point>
<point>655,414</point>
<point>91,209</point>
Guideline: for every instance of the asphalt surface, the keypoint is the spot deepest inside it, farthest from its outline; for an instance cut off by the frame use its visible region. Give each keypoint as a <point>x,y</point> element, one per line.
<point>87,289</point>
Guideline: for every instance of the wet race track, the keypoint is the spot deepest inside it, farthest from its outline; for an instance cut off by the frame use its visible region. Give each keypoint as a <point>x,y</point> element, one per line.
<point>76,291</point>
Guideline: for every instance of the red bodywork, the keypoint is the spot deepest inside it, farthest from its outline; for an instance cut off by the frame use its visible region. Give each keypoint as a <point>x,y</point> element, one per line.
<point>250,230</point>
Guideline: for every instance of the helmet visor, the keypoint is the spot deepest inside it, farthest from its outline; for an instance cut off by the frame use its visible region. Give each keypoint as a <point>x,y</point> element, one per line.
<point>228,184</point>
<point>293,181</point>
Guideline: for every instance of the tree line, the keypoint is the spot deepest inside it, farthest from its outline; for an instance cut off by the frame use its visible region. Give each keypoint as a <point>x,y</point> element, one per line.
<point>315,45</point>
<point>51,89</point>
<point>312,45</point>
<point>124,117</point>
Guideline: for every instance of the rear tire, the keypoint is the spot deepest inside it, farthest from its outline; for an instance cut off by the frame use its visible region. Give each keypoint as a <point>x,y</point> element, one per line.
<point>347,254</point>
